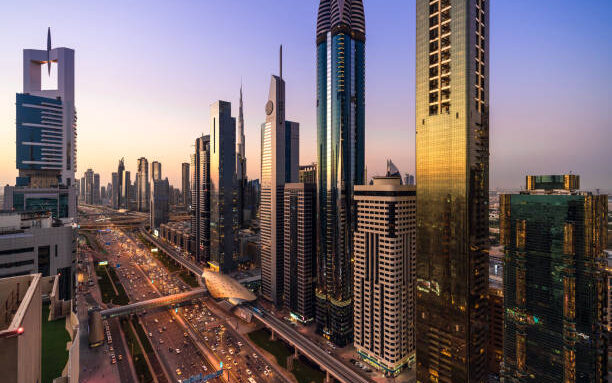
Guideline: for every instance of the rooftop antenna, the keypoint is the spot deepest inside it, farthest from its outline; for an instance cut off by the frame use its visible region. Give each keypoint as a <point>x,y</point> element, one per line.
<point>49,50</point>
<point>281,61</point>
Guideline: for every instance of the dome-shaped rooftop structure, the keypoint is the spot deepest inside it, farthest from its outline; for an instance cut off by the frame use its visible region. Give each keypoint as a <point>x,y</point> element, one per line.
<point>334,13</point>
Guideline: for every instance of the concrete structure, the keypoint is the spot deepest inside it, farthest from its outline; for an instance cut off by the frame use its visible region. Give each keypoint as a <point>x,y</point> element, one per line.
<point>20,328</point>
<point>200,199</point>
<point>33,243</point>
<point>185,189</point>
<point>156,171</point>
<point>223,221</point>
<point>555,285</point>
<point>308,174</point>
<point>340,40</point>
<point>553,182</point>
<point>46,120</point>
<point>143,191</point>
<point>385,274</point>
<point>160,204</point>
<point>452,171</point>
<point>177,233</point>
<point>279,162</point>
<point>300,233</point>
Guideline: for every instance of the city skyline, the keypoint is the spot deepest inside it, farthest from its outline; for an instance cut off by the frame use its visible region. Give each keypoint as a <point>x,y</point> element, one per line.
<point>527,98</point>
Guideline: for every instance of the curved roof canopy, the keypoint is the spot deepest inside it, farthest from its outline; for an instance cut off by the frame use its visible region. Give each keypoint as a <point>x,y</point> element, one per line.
<point>223,286</point>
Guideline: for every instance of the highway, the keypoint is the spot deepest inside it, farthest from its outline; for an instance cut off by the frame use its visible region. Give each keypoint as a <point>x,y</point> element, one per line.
<point>309,349</point>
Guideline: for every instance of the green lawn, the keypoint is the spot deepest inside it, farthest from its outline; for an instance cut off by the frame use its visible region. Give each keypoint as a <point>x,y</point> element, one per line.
<point>303,370</point>
<point>53,351</point>
<point>106,287</point>
<point>189,278</point>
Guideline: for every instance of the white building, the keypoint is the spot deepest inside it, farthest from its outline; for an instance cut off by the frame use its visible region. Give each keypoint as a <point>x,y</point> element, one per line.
<point>385,274</point>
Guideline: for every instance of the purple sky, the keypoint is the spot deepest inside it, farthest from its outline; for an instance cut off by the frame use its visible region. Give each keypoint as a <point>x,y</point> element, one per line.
<point>147,72</point>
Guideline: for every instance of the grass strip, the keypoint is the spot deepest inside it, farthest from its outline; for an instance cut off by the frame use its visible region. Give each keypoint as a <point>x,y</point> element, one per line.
<point>140,364</point>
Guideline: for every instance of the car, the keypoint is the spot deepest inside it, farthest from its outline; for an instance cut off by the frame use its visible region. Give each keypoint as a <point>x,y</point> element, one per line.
<point>120,357</point>
<point>248,372</point>
<point>178,350</point>
<point>255,355</point>
<point>235,362</point>
<point>150,335</point>
<point>161,341</point>
<point>204,368</point>
<point>178,371</point>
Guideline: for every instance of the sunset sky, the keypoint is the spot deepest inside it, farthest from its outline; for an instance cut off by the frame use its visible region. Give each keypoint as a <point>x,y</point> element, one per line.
<point>147,71</point>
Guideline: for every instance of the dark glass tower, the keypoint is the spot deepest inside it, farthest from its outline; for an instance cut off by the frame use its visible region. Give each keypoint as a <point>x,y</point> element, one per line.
<point>554,286</point>
<point>340,150</point>
<point>452,168</point>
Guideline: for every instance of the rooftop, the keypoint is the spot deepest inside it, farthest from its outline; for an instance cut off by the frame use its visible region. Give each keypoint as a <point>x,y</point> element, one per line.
<point>222,286</point>
<point>16,293</point>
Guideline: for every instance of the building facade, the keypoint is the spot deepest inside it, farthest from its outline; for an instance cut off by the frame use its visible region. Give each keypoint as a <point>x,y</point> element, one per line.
<point>278,138</point>
<point>185,189</point>
<point>308,174</point>
<point>385,276</point>
<point>200,199</point>
<point>160,203</point>
<point>34,243</point>
<point>340,44</point>
<point>300,201</point>
<point>156,171</point>
<point>452,171</point>
<point>555,286</point>
<point>241,164</point>
<point>53,199</point>
<point>223,219</point>
<point>143,191</point>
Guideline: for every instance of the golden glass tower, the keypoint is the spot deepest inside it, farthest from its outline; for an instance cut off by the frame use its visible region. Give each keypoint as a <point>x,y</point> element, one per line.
<point>452,167</point>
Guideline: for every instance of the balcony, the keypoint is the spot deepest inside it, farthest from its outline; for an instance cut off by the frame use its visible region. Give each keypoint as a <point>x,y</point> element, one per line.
<point>433,71</point>
<point>445,55</point>
<point>445,81</point>
<point>433,59</point>
<point>433,97</point>
<point>445,68</point>
<point>433,84</point>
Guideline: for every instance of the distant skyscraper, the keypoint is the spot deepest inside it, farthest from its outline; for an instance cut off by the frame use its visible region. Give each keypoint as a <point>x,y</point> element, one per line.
<point>115,193</point>
<point>308,174</point>
<point>241,168</point>
<point>452,168</point>
<point>300,260</point>
<point>126,186</point>
<point>279,141</point>
<point>553,182</point>
<point>96,189</point>
<point>143,191</point>
<point>340,144</point>
<point>555,285</point>
<point>83,188</point>
<point>200,199</point>
<point>89,186</point>
<point>46,120</point>
<point>409,180</point>
<point>385,276</point>
<point>156,171</point>
<point>222,186</point>
<point>160,201</point>
<point>185,190</point>
<point>118,187</point>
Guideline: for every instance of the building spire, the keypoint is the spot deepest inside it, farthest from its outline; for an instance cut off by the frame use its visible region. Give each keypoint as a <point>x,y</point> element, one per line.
<point>281,61</point>
<point>49,50</point>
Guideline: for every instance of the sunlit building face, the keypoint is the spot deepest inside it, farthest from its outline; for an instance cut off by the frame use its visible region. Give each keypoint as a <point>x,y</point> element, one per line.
<point>452,162</point>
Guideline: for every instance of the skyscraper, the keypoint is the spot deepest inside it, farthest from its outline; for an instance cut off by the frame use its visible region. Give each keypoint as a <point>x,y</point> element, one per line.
<point>385,276</point>
<point>160,201</point>
<point>340,156</point>
<point>156,171</point>
<point>96,189</point>
<point>115,195</point>
<point>222,190</point>
<point>185,190</point>
<point>241,168</point>
<point>46,120</point>
<point>126,186</point>
<point>143,191</point>
<point>452,169</point>
<point>308,174</point>
<point>118,187</point>
<point>300,249</point>
<point>200,199</point>
<point>89,184</point>
<point>278,158</point>
<point>555,285</point>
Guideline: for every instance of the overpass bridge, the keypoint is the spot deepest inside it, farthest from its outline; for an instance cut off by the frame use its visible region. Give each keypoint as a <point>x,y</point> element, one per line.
<point>308,348</point>
<point>164,301</point>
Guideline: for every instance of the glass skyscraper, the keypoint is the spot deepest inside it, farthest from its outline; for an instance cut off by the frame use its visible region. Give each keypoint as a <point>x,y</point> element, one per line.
<point>554,285</point>
<point>452,169</point>
<point>340,152</point>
